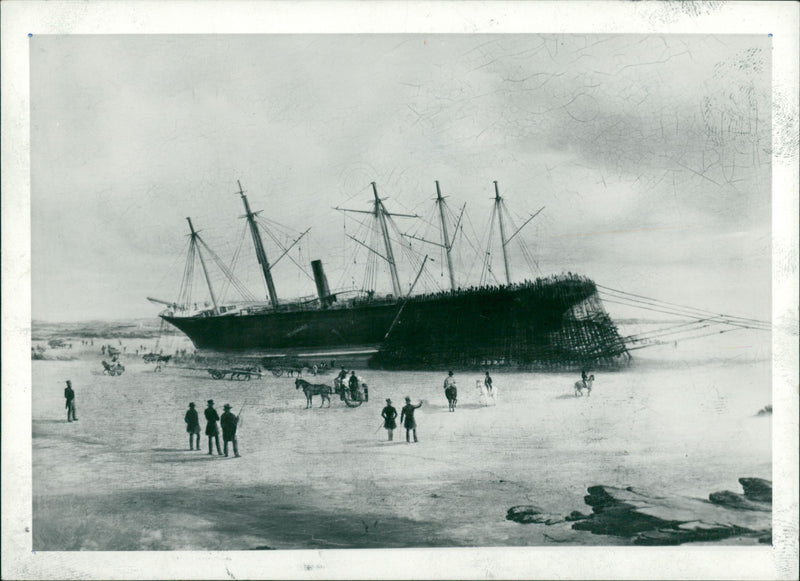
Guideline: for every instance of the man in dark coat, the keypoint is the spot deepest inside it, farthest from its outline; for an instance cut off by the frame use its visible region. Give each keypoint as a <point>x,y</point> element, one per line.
<point>192,426</point>
<point>407,418</point>
<point>353,383</point>
<point>69,395</point>
<point>229,422</point>
<point>488,383</point>
<point>342,377</point>
<point>212,431</point>
<point>389,414</point>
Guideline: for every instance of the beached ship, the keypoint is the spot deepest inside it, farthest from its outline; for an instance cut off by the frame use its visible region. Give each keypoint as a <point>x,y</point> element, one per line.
<point>557,322</point>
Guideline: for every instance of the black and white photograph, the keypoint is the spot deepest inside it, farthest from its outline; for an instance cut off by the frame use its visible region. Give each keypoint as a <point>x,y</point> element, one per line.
<point>308,278</point>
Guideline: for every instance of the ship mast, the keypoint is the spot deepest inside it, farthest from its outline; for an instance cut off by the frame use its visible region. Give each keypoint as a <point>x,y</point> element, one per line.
<point>259,246</point>
<point>445,236</point>
<point>380,215</point>
<point>195,237</point>
<point>499,210</point>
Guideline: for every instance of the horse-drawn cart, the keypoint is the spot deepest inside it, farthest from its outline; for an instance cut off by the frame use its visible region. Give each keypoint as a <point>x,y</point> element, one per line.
<point>279,366</point>
<point>113,368</point>
<point>240,374</point>
<point>351,397</point>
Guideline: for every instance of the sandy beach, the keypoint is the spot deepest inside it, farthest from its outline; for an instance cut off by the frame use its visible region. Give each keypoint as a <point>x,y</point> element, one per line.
<point>682,421</point>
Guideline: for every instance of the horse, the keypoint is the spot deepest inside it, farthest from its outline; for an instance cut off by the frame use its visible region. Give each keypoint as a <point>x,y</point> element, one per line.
<point>112,369</point>
<point>451,393</point>
<point>580,386</point>
<point>312,389</point>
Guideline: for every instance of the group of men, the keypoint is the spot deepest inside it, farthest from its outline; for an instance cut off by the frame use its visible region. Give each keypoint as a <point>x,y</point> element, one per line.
<point>228,421</point>
<point>389,413</point>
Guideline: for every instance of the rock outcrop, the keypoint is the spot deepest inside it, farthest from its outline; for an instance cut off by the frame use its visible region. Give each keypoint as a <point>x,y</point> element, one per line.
<point>651,519</point>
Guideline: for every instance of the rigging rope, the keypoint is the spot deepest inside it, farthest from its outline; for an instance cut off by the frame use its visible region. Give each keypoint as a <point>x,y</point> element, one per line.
<point>690,311</point>
<point>246,294</point>
<point>638,301</point>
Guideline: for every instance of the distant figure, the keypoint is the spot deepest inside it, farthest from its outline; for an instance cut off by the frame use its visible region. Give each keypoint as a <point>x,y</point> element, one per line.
<point>212,431</point>
<point>103,350</point>
<point>366,392</point>
<point>229,422</point>
<point>69,394</point>
<point>389,414</point>
<point>584,384</point>
<point>407,418</point>
<point>450,391</point>
<point>488,383</point>
<point>353,384</point>
<point>314,369</point>
<point>192,426</point>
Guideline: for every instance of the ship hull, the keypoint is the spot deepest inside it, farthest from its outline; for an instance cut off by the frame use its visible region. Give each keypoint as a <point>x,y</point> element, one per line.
<point>554,323</point>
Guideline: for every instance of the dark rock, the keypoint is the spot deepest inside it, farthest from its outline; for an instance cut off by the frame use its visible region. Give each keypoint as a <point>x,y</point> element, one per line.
<point>757,489</point>
<point>576,515</point>
<point>523,514</point>
<point>529,514</point>
<point>651,519</point>
<point>736,501</point>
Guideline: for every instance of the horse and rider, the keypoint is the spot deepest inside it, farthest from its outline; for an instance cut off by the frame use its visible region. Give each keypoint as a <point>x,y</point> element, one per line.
<point>450,391</point>
<point>585,383</point>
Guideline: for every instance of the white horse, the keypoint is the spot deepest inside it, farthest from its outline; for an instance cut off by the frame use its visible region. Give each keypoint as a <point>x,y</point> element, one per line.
<point>580,386</point>
<point>484,396</point>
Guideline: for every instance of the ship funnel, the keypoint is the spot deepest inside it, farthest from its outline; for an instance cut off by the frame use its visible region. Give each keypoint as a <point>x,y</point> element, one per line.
<point>325,296</point>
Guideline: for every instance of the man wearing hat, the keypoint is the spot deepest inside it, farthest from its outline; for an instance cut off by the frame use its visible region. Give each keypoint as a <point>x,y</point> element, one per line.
<point>69,394</point>
<point>389,414</point>
<point>192,426</point>
<point>212,431</point>
<point>228,423</point>
<point>407,417</point>
<point>354,385</point>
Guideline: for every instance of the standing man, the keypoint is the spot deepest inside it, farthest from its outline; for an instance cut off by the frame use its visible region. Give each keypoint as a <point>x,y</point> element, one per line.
<point>407,418</point>
<point>229,422</point>
<point>212,431</point>
<point>342,377</point>
<point>389,414</point>
<point>353,383</point>
<point>69,394</point>
<point>450,391</point>
<point>192,425</point>
<point>488,383</point>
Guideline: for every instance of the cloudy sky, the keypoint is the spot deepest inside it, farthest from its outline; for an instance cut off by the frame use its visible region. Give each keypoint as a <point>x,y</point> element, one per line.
<point>650,154</point>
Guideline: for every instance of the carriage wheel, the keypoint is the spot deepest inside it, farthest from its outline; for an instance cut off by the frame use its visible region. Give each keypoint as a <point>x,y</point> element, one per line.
<point>277,372</point>
<point>217,374</point>
<point>112,372</point>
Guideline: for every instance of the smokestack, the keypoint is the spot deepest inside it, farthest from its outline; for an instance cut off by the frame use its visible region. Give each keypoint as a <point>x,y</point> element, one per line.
<point>324,293</point>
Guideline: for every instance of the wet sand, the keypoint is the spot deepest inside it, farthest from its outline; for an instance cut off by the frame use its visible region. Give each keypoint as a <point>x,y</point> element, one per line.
<point>123,478</point>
